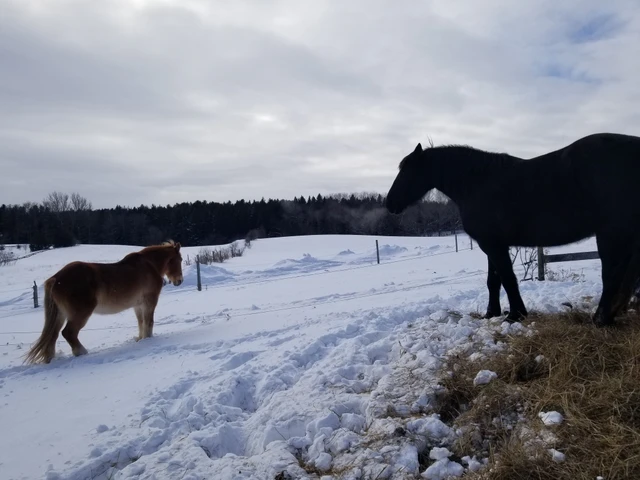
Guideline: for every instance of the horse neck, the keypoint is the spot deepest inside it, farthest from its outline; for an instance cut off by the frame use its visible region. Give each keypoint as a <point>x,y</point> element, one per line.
<point>159,257</point>
<point>458,171</point>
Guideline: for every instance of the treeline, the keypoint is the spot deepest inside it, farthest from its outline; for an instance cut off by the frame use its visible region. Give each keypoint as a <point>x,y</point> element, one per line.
<point>58,221</point>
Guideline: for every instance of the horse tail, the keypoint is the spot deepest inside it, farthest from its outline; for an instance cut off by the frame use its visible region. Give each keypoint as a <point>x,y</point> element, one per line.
<point>44,348</point>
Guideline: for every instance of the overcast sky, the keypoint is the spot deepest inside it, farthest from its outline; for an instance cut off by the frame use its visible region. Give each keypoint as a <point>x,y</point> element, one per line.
<point>145,101</point>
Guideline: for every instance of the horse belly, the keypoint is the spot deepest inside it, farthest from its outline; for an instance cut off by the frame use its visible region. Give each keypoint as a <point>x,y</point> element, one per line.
<point>109,304</point>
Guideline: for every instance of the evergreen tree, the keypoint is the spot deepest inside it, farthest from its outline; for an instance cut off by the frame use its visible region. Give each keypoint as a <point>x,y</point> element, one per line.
<point>206,223</point>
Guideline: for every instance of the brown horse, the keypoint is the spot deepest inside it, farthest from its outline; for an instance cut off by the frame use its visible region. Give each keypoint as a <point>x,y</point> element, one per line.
<point>80,289</point>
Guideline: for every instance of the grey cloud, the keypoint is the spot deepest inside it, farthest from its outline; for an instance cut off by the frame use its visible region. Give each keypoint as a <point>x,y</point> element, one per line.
<point>276,99</point>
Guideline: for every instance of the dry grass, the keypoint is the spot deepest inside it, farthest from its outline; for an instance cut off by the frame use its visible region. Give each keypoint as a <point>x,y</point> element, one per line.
<point>591,376</point>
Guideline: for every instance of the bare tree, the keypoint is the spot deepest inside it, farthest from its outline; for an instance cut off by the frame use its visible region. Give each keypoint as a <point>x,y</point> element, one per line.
<point>79,203</point>
<point>57,202</point>
<point>528,259</point>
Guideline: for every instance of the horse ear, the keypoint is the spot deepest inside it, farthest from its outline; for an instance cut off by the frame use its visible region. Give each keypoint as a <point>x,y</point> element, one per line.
<point>418,148</point>
<point>177,245</point>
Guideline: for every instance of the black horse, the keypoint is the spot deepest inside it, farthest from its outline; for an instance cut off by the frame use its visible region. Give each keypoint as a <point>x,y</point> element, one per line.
<point>591,186</point>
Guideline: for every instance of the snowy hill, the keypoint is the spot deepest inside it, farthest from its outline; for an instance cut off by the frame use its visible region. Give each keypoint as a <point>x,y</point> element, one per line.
<point>289,356</point>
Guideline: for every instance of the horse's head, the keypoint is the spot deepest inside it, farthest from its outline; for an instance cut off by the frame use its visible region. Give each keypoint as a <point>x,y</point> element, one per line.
<point>174,265</point>
<point>411,183</point>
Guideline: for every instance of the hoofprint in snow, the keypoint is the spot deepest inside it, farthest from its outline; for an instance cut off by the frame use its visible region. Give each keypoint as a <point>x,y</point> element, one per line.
<point>304,351</point>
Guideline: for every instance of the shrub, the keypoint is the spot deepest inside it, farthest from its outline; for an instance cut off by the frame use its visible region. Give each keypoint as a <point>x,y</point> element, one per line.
<point>207,256</point>
<point>6,258</point>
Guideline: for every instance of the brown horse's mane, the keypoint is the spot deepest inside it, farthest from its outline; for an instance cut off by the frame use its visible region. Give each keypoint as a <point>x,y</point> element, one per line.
<point>162,246</point>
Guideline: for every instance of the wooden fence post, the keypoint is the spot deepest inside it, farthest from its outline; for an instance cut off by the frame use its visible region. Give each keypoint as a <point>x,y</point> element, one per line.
<point>540,264</point>
<point>198,272</point>
<point>471,242</point>
<point>35,295</point>
<point>455,234</point>
<point>377,252</point>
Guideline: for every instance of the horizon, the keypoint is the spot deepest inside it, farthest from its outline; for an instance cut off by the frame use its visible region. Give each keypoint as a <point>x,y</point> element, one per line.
<point>170,102</point>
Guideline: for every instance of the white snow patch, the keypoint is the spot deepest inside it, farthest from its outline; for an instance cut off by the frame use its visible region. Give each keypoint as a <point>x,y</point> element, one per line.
<point>442,468</point>
<point>556,455</point>
<point>551,418</point>
<point>484,377</point>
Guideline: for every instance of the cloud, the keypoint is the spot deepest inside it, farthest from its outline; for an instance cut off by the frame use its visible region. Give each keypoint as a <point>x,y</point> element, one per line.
<point>136,101</point>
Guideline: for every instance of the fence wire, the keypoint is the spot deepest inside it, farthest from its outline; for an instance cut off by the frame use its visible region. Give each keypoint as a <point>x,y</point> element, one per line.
<point>25,310</point>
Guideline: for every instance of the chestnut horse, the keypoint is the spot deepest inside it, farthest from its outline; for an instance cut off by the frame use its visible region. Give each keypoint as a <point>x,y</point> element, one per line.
<point>80,289</point>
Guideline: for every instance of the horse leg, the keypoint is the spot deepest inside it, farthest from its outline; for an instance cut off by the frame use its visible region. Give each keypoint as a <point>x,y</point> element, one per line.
<point>50,350</point>
<point>618,265</point>
<point>140,316</point>
<point>626,291</point>
<point>611,284</point>
<point>49,345</point>
<point>150,302</point>
<point>499,257</point>
<point>630,270</point>
<point>634,302</point>
<point>75,323</point>
<point>493,284</point>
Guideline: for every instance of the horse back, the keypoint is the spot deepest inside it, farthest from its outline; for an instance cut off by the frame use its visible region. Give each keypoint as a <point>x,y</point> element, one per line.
<point>560,197</point>
<point>106,287</point>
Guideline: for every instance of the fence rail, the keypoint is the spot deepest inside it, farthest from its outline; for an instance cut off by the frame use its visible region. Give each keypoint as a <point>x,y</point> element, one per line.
<point>562,257</point>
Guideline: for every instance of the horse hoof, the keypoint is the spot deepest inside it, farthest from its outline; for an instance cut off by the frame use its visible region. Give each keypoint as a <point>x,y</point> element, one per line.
<point>602,323</point>
<point>601,320</point>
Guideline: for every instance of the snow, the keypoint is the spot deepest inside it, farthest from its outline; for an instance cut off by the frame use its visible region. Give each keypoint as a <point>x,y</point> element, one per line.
<point>551,418</point>
<point>484,377</point>
<point>556,455</point>
<point>473,463</point>
<point>443,467</point>
<point>304,351</point>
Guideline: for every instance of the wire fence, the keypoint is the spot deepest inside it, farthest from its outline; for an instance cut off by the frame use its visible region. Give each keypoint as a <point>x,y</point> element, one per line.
<point>240,314</point>
<point>26,305</point>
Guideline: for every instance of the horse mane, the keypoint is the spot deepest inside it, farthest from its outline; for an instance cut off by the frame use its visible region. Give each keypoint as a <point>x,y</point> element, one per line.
<point>489,159</point>
<point>162,246</point>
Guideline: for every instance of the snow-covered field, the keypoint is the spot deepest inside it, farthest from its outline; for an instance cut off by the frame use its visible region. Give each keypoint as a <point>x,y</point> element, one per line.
<point>294,354</point>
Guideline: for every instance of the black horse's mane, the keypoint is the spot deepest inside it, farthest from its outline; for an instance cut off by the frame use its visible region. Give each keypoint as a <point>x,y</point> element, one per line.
<point>489,159</point>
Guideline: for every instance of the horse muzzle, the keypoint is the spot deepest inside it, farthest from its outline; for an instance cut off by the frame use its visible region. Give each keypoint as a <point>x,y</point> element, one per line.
<point>177,281</point>
<point>393,207</point>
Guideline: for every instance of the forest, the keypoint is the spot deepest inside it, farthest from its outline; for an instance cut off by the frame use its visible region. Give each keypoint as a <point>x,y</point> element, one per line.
<point>62,220</point>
